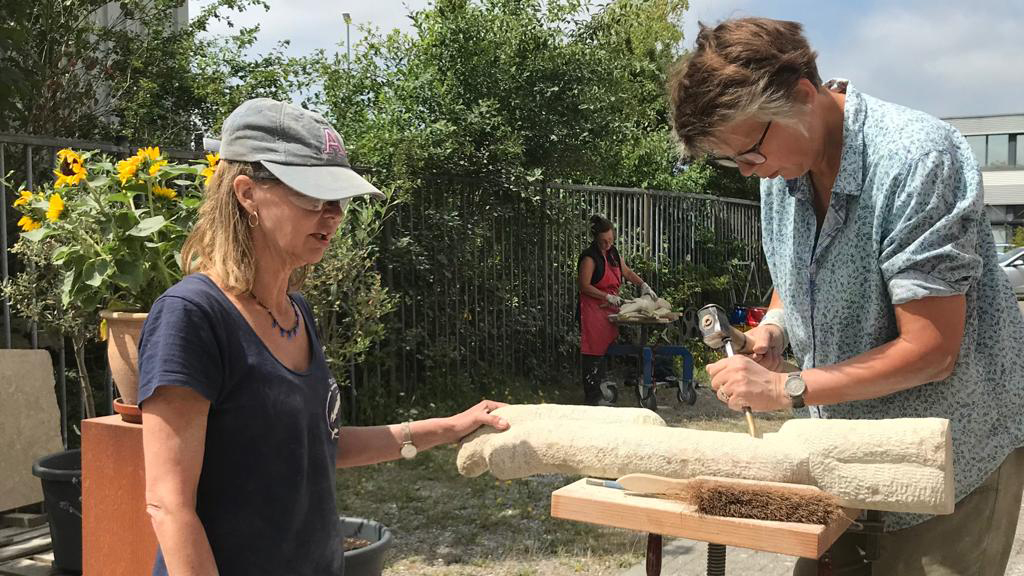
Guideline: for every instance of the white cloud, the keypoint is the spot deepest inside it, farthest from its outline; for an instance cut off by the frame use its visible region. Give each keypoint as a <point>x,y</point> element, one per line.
<point>710,12</point>
<point>958,59</point>
<point>946,57</point>
<point>315,24</point>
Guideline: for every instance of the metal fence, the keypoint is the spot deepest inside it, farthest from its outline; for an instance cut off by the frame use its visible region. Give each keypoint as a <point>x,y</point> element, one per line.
<point>493,289</point>
<point>25,161</point>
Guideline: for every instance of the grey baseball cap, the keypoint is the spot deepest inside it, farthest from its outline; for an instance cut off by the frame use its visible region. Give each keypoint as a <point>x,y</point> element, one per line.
<point>296,145</point>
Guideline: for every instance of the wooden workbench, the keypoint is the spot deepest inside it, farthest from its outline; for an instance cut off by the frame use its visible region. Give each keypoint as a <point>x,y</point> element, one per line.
<point>582,502</point>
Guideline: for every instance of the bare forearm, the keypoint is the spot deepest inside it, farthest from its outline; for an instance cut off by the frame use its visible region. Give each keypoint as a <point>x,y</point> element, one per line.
<point>930,333</point>
<point>592,292</point>
<point>363,445</point>
<point>893,367</point>
<point>174,445</point>
<point>183,543</point>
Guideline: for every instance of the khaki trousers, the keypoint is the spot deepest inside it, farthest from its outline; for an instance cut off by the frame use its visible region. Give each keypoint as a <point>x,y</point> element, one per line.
<point>975,540</point>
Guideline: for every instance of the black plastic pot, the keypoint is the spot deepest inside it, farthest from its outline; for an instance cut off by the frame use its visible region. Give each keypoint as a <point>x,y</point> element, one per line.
<point>61,476</point>
<point>368,560</point>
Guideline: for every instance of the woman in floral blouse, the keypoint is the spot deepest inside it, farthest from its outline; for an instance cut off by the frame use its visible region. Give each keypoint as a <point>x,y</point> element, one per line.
<point>886,281</point>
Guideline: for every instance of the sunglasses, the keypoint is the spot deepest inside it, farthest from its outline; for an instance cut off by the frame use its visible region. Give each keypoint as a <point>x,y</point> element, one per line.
<point>261,174</point>
<point>316,204</point>
<point>750,157</point>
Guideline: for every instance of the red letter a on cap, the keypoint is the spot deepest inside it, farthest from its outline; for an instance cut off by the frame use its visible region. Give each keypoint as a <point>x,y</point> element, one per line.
<point>332,144</point>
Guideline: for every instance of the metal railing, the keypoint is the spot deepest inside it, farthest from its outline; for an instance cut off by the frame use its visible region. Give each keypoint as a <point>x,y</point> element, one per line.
<point>497,290</point>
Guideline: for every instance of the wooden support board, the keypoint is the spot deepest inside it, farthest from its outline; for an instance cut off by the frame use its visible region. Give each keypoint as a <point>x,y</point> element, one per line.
<point>25,567</point>
<point>26,551</point>
<point>35,545</point>
<point>612,507</point>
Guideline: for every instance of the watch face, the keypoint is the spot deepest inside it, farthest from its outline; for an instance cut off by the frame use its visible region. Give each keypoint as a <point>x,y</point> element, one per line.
<point>408,451</point>
<point>795,386</point>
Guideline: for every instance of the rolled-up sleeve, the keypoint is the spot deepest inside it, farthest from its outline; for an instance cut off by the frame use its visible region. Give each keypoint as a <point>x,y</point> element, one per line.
<point>932,229</point>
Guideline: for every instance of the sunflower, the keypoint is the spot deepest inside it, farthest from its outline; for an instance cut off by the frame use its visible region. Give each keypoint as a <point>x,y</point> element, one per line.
<point>164,192</point>
<point>55,208</point>
<point>152,154</point>
<point>156,167</point>
<point>24,197</point>
<point>212,160</point>
<point>126,169</point>
<point>27,224</point>
<point>70,171</point>
<point>68,155</point>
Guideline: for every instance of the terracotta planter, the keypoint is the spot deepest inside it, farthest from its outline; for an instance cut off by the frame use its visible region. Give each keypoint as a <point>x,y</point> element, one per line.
<point>129,412</point>
<point>123,330</point>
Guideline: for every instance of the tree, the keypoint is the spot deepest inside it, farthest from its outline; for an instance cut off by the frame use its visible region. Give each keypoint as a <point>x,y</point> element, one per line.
<point>466,119</point>
<point>1018,236</point>
<point>139,77</point>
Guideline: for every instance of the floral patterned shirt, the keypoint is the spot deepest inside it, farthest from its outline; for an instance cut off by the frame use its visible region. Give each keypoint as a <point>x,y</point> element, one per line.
<point>905,221</point>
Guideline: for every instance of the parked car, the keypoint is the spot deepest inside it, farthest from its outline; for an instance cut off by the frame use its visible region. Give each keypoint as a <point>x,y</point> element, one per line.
<point>1012,263</point>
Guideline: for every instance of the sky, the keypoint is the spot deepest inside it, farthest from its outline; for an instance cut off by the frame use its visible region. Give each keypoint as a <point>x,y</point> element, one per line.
<point>947,57</point>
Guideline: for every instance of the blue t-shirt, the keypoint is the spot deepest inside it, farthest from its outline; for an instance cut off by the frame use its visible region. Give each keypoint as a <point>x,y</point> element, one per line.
<point>266,491</point>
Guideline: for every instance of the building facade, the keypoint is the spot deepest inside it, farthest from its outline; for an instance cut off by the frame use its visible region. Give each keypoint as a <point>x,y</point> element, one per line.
<point>998,144</point>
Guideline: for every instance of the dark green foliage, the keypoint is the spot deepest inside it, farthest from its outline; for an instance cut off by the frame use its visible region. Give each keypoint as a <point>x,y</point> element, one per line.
<point>71,72</point>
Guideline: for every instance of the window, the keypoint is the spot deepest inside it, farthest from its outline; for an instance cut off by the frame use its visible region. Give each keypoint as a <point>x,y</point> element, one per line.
<point>978,147</point>
<point>998,150</point>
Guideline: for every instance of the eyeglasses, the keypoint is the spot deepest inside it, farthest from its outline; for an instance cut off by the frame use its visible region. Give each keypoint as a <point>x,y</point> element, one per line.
<point>261,174</point>
<point>751,157</point>
<point>316,204</point>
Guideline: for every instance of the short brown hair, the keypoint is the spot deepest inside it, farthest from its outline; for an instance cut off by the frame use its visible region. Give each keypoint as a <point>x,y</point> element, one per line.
<point>746,67</point>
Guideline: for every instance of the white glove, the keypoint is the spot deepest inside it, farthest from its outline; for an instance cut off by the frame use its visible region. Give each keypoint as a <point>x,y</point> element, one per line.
<point>645,290</point>
<point>613,300</point>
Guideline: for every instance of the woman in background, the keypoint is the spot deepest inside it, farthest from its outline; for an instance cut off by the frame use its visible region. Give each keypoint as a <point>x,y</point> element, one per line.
<point>601,270</point>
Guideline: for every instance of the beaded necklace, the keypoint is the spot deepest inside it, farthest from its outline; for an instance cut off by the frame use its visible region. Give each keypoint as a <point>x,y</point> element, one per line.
<point>285,333</point>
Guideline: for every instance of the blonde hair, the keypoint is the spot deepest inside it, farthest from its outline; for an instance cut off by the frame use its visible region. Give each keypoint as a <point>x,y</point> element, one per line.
<point>220,244</point>
<point>741,68</point>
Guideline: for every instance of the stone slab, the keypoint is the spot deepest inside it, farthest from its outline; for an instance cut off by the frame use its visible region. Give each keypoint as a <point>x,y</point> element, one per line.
<point>29,423</point>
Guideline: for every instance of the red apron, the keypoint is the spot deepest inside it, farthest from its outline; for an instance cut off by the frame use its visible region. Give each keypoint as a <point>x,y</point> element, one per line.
<point>596,331</point>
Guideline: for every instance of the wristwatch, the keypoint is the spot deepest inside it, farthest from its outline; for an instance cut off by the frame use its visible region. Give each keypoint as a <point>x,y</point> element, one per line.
<point>795,388</point>
<point>409,450</point>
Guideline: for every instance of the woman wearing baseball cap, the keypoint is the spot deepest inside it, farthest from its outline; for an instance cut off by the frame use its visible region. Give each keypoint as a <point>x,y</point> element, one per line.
<point>241,427</point>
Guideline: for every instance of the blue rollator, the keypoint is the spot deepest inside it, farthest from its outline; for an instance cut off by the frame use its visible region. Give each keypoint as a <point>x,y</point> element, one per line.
<point>656,365</point>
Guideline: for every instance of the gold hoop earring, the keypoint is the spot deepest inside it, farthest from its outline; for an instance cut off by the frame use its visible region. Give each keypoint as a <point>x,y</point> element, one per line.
<point>250,221</point>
